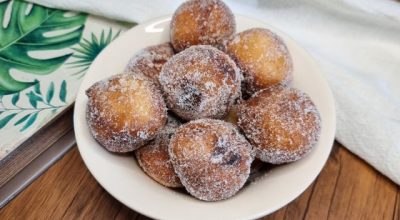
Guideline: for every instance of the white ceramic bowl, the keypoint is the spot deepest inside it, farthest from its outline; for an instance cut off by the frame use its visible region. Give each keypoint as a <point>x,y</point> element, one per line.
<point>123,178</point>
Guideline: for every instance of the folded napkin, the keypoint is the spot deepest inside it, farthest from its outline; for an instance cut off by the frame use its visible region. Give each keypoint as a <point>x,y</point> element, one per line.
<point>356,42</point>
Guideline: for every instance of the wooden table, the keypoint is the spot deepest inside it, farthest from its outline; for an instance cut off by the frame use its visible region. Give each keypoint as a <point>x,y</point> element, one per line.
<point>347,188</point>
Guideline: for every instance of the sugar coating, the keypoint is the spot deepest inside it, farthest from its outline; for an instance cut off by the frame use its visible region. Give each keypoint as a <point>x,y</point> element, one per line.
<point>154,158</point>
<point>125,111</point>
<point>283,124</point>
<point>263,58</point>
<point>201,22</point>
<point>150,60</point>
<point>211,158</point>
<point>200,82</point>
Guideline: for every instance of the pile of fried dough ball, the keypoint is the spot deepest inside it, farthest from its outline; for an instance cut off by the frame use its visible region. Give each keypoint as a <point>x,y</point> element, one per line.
<point>199,109</point>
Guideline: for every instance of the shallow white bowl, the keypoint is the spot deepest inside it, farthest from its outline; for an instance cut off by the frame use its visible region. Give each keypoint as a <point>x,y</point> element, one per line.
<point>123,178</point>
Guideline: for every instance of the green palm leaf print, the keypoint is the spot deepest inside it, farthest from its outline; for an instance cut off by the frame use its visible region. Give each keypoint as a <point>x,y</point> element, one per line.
<point>88,50</point>
<point>26,28</point>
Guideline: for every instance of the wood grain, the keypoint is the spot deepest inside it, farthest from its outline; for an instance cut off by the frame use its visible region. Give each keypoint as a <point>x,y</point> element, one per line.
<point>35,145</point>
<point>347,188</point>
<point>397,209</point>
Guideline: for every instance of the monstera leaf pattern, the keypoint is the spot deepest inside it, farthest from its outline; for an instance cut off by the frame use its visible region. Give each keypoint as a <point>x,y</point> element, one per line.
<point>44,53</point>
<point>25,28</point>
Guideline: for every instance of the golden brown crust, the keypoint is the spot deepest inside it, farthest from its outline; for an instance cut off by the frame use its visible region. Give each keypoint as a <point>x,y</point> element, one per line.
<point>211,158</point>
<point>201,22</point>
<point>154,158</point>
<point>200,82</point>
<point>232,116</point>
<point>283,124</point>
<point>125,111</point>
<point>150,60</point>
<point>262,57</point>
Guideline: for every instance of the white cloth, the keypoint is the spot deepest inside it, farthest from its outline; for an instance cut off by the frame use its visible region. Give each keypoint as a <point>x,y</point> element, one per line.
<point>356,42</point>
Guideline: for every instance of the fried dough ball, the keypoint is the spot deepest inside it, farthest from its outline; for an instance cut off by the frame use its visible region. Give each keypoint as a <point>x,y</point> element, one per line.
<point>150,60</point>
<point>125,111</point>
<point>201,22</point>
<point>281,123</point>
<point>263,58</point>
<point>211,158</point>
<point>154,158</point>
<point>200,82</point>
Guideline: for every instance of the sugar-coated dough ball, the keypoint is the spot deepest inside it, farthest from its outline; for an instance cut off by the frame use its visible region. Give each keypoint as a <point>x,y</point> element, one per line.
<point>201,22</point>
<point>154,158</point>
<point>263,58</point>
<point>283,124</point>
<point>211,158</point>
<point>125,111</point>
<point>200,82</point>
<point>150,60</point>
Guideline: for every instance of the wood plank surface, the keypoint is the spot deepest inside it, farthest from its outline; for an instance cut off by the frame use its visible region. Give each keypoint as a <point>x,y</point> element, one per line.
<point>35,145</point>
<point>347,188</point>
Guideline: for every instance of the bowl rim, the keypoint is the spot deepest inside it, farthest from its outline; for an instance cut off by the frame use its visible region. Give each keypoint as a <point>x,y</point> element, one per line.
<point>250,216</point>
